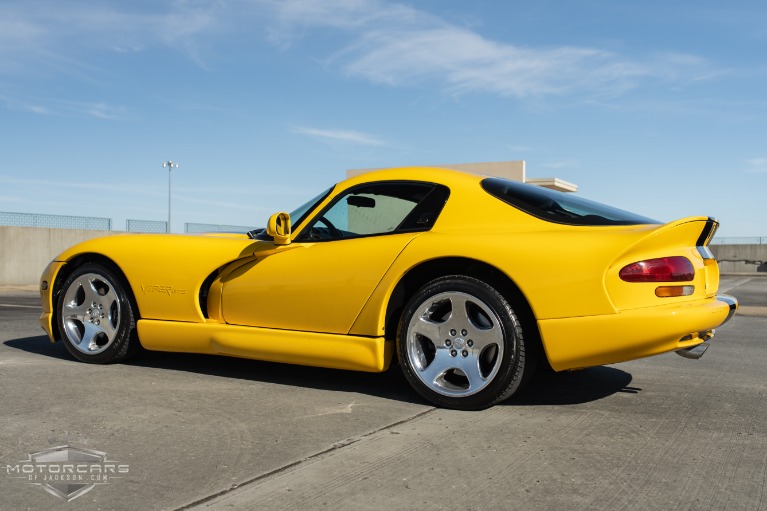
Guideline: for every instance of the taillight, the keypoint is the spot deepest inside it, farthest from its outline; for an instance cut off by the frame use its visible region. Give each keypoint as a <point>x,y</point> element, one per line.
<point>663,269</point>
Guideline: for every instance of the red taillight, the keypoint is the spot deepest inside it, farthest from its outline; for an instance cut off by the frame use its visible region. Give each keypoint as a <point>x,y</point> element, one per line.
<point>663,269</point>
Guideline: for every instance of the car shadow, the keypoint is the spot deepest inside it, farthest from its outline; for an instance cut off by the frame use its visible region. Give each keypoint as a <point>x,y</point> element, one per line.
<point>573,387</point>
<point>388,385</point>
<point>40,345</point>
<point>545,388</point>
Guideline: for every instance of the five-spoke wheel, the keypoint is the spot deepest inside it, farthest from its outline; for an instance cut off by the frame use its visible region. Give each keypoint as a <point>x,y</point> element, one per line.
<point>95,316</point>
<point>460,344</point>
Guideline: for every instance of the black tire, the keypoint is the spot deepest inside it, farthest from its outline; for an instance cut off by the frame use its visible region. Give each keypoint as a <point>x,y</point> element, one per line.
<point>460,344</point>
<point>96,316</point>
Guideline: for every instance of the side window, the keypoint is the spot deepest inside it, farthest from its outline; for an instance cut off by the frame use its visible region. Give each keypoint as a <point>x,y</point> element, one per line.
<point>374,209</point>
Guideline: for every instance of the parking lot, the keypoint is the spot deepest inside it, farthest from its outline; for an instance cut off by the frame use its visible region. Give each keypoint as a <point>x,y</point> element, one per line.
<point>205,432</point>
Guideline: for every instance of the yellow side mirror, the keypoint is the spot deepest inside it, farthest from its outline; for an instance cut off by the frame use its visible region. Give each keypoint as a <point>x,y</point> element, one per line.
<point>278,228</point>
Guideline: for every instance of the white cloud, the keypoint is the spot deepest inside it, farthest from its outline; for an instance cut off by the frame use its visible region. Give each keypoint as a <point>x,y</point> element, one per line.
<point>376,40</point>
<point>756,166</point>
<point>37,109</point>
<point>79,185</point>
<point>45,33</point>
<point>51,106</point>
<point>102,110</point>
<point>401,46</point>
<point>353,137</point>
<point>467,62</point>
<point>293,17</point>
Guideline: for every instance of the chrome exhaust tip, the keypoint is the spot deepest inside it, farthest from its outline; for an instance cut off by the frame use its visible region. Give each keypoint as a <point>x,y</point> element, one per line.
<point>695,352</point>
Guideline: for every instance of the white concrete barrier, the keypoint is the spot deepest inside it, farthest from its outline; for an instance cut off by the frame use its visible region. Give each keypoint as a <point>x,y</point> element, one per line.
<point>741,258</point>
<point>26,251</point>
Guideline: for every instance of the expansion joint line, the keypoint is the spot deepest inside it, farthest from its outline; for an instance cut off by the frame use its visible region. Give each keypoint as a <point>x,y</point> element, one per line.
<point>314,457</point>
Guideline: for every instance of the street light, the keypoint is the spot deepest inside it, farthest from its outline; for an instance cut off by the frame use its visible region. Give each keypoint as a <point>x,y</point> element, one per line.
<point>170,165</point>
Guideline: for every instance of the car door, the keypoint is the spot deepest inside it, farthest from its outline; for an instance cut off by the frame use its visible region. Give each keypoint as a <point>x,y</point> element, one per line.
<point>321,281</point>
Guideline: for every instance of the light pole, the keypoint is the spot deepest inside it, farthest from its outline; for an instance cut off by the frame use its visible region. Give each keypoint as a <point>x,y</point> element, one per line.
<point>171,165</point>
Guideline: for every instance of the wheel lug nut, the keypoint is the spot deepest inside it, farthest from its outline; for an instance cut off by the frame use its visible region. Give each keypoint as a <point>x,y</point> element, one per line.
<point>93,304</point>
<point>469,343</point>
<point>464,332</point>
<point>453,353</point>
<point>90,311</point>
<point>465,353</point>
<point>98,321</point>
<point>102,315</point>
<point>452,332</point>
<point>101,307</point>
<point>448,343</point>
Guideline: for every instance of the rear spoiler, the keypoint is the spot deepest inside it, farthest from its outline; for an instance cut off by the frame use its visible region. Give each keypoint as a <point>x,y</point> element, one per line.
<point>712,224</point>
<point>695,231</point>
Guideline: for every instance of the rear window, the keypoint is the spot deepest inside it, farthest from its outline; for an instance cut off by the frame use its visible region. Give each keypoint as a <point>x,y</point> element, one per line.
<point>559,207</point>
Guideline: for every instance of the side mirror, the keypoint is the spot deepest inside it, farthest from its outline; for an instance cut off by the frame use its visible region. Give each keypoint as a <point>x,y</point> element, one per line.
<point>278,228</point>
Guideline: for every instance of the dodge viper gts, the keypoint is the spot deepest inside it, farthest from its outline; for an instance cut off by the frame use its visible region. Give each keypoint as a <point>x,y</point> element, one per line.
<point>471,282</point>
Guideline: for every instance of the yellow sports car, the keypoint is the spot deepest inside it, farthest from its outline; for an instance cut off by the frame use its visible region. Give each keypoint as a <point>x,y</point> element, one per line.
<point>472,281</point>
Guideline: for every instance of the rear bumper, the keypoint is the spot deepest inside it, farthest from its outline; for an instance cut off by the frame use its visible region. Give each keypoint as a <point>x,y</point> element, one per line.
<point>587,341</point>
<point>696,352</point>
<point>732,302</point>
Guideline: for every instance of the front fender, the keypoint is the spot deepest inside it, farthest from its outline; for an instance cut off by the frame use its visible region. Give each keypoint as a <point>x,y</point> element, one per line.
<point>165,272</point>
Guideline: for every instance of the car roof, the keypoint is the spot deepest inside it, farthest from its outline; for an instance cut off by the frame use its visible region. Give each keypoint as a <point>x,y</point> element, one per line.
<point>439,175</point>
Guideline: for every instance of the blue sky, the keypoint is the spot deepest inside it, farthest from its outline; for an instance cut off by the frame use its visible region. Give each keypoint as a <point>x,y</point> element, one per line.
<point>657,107</point>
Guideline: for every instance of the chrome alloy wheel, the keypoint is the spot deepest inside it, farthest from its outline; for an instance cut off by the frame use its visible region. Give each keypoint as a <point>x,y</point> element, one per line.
<point>456,343</point>
<point>91,313</point>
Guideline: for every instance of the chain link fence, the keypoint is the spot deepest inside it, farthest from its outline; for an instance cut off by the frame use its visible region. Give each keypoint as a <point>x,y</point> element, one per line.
<point>191,228</point>
<point>152,226</point>
<point>159,226</point>
<point>55,221</point>
<point>740,241</point>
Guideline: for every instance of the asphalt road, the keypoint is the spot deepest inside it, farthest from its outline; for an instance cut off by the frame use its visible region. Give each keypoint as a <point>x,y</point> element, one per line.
<point>204,432</point>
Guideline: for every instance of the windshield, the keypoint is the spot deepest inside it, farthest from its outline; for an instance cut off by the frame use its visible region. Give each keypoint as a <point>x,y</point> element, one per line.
<point>299,214</point>
<point>559,207</point>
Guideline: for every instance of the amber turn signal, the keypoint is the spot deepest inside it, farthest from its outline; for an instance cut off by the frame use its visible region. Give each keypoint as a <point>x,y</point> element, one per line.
<point>667,291</point>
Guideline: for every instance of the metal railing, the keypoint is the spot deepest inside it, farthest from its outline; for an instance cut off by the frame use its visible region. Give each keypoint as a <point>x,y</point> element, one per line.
<point>191,228</point>
<point>55,221</point>
<point>739,241</point>
<point>153,226</point>
<point>159,226</point>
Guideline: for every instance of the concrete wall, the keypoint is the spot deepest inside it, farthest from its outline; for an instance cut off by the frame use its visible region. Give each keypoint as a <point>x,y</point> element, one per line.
<point>26,251</point>
<point>732,258</point>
